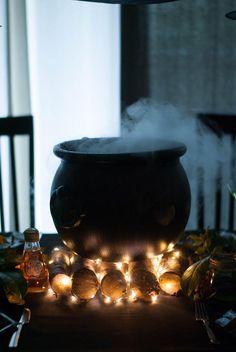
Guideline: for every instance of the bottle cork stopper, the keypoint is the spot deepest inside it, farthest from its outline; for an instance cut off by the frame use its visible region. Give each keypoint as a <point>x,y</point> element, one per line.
<point>31,235</point>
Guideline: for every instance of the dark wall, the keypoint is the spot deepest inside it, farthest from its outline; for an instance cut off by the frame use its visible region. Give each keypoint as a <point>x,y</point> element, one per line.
<point>182,53</point>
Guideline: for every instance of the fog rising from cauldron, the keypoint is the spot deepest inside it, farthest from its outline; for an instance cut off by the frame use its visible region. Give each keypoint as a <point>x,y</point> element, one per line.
<point>146,122</point>
<point>145,126</point>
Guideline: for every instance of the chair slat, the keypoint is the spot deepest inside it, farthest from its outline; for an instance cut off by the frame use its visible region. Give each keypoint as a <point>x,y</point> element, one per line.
<point>200,199</point>
<point>233,175</point>
<point>222,126</point>
<point>13,180</point>
<point>31,184</point>
<point>11,127</point>
<point>218,199</point>
<point>1,200</point>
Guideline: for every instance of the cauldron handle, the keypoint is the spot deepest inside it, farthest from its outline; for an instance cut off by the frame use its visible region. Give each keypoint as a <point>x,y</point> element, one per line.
<point>64,207</point>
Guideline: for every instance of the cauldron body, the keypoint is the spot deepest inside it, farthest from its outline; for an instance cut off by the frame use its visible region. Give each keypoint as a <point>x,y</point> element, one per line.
<point>112,203</point>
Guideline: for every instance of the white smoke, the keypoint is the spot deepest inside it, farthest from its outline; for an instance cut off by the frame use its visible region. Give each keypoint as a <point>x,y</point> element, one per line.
<point>147,119</point>
<point>145,123</point>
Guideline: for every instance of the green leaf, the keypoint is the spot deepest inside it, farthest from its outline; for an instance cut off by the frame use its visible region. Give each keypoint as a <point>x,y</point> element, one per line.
<point>14,286</point>
<point>193,278</point>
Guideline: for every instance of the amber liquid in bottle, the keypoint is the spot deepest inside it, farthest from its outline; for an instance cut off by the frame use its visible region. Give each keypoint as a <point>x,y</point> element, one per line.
<point>35,271</point>
<point>33,266</point>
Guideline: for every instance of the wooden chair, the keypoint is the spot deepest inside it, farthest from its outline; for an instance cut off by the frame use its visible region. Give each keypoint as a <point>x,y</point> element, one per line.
<point>223,126</point>
<point>12,127</point>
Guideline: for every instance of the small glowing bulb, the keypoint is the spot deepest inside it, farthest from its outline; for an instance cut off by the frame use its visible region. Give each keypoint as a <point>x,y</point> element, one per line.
<point>107,300</point>
<point>154,297</point>
<point>56,249</point>
<point>126,258</point>
<point>177,254</point>
<point>50,261</point>
<point>119,265</point>
<point>72,259</point>
<point>104,252</point>
<point>127,277</point>
<point>170,246</point>
<point>156,262</point>
<point>132,295</point>
<point>118,301</point>
<point>163,246</point>
<point>50,292</point>
<point>100,276</point>
<point>212,278</point>
<point>161,270</point>
<point>98,261</point>
<point>150,255</point>
<point>73,299</point>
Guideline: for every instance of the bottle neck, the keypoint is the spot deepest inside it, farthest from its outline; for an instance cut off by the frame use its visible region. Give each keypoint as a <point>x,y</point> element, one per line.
<point>31,246</point>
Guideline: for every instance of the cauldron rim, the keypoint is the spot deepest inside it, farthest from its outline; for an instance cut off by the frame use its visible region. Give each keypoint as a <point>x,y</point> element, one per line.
<point>161,149</point>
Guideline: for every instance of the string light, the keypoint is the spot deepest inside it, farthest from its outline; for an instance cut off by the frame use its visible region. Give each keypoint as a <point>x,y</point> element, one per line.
<point>118,301</point>
<point>177,254</point>
<point>107,300</point>
<point>98,261</point>
<point>132,296</point>
<point>72,260</point>
<point>100,275</point>
<point>73,299</point>
<point>126,259</point>
<point>150,253</point>
<point>163,246</point>
<point>156,263</point>
<point>50,292</point>
<point>170,247</point>
<point>62,284</point>
<point>154,297</point>
<point>104,252</point>
<point>119,266</point>
<point>127,277</point>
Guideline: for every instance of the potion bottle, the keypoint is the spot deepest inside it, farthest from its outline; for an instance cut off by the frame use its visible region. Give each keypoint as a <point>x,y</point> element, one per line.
<point>33,265</point>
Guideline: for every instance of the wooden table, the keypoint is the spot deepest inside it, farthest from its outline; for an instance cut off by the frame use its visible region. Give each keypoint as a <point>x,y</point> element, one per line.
<point>168,325</point>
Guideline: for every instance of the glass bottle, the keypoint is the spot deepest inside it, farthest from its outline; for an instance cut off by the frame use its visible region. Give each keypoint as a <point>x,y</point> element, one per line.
<point>33,265</point>
<point>222,275</point>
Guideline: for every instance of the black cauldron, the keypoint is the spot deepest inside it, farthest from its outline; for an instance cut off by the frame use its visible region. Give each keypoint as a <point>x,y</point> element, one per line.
<point>110,199</point>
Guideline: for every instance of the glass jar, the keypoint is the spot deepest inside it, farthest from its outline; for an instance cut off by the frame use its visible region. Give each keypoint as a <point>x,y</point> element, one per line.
<point>222,275</point>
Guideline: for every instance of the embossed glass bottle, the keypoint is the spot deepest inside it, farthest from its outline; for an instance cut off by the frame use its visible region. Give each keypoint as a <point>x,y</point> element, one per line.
<point>33,265</point>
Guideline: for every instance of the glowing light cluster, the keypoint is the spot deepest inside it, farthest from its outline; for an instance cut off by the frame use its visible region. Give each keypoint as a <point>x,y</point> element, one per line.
<point>162,267</point>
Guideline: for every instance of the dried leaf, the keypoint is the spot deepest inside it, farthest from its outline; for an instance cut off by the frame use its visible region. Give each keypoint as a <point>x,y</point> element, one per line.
<point>14,286</point>
<point>3,239</point>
